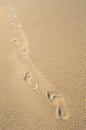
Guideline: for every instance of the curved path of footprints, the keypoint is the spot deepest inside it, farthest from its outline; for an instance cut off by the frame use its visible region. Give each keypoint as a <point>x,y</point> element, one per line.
<point>20,41</point>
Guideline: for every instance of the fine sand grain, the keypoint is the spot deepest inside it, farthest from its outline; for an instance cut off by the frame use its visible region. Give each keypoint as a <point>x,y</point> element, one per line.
<point>42,64</point>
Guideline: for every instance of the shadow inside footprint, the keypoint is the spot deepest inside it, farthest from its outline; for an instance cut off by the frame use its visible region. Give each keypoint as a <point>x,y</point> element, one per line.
<point>16,41</point>
<point>59,112</point>
<point>48,95</point>
<point>27,76</point>
<point>62,112</point>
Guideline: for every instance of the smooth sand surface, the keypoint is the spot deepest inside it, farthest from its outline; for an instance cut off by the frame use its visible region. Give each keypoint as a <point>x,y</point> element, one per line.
<point>49,46</point>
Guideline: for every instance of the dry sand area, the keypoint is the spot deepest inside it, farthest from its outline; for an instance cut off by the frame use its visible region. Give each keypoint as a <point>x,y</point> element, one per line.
<point>42,64</point>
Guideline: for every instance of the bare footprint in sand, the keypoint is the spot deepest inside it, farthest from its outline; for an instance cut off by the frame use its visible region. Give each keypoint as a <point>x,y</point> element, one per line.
<point>54,97</point>
<point>14,17</point>
<point>13,27</point>
<point>25,53</point>
<point>16,41</point>
<point>19,27</point>
<point>58,100</point>
<point>31,81</point>
<point>61,111</point>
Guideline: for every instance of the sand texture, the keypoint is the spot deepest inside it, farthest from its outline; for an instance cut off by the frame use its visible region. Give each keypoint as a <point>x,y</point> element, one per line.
<point>42,64</point>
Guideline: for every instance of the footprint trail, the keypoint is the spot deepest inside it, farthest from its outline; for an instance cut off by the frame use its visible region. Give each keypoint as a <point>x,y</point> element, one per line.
<point>32,77</point>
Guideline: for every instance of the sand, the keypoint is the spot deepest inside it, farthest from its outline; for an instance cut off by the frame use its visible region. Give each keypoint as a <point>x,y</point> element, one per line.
<point>42,65</point>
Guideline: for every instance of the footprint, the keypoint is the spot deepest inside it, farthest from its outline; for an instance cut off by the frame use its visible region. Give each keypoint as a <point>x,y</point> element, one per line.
<point>25,53</point>
<point>16,41</point>
<point>12,24</point>
<point>61,111</point>
<point>33,84</point>
<point>19,28</point>
<point>30,81</point>
<point>27,76</point>
<point>54,97</point>
<point>20,32</point>
<point>14,17</point>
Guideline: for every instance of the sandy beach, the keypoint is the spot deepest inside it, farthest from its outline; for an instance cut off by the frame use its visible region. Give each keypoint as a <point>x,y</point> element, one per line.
<point>42,64</point>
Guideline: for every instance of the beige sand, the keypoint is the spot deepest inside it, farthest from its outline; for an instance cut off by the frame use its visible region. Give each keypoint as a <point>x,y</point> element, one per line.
<point>51,46</point>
